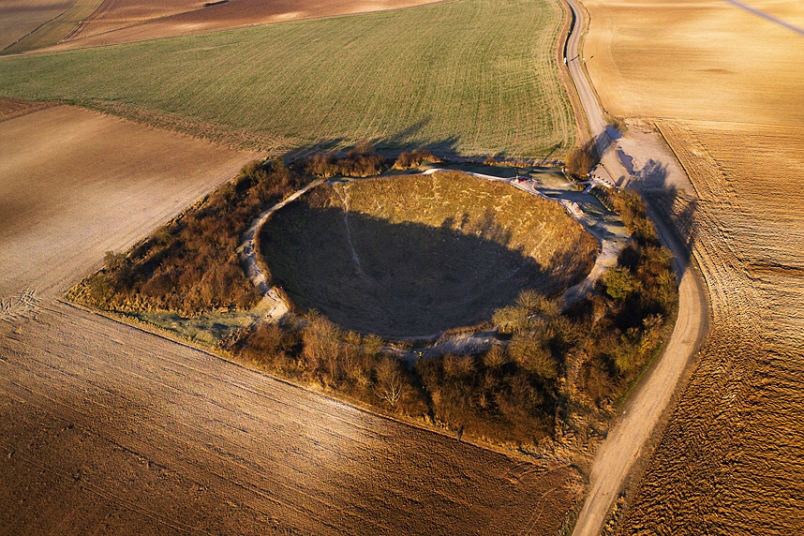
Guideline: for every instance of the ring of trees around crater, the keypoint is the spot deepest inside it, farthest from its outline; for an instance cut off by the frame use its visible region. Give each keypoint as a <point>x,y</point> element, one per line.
<point>554,370</point>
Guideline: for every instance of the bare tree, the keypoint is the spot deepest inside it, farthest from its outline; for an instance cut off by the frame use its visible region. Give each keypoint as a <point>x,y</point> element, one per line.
<point>390,382</point>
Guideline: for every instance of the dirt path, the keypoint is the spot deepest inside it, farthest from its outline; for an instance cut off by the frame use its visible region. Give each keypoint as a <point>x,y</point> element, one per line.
<point>624,444</point>
<point>272,302</point>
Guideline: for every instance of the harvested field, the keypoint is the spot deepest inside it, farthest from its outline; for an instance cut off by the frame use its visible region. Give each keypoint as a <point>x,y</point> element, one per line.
<point>123,21</point>
<point>20,17</point>
<point>62,196</point>
<point>732,458</point>
<point>56,29</point>
<point>724,87</point>
<point>458,82</point>
<point>415,255</point>
<point>715,61</point>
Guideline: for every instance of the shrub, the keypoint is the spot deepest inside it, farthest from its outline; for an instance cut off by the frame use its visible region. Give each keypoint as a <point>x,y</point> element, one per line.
<point>620,283</point>
<point>581,161</point>
<point>360,161</point>
<point>189,266</point>
<point>407,160</point>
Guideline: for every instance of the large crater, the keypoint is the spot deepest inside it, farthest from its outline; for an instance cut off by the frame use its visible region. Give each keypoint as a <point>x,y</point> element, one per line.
<point>412,256</point>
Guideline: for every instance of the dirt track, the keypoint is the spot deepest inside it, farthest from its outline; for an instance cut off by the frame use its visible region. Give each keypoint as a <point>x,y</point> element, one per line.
<point>111,430</point>
<point>724,86</point>
<point>616,456</point>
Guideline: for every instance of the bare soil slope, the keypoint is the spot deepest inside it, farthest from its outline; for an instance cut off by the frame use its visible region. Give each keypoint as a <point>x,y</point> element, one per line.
<point>122,21</point>
<point>20,17</point>
<point>725,88</point>
<point>411,256</point>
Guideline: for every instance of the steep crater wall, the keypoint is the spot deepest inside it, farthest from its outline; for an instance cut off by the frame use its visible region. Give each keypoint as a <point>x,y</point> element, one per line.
<point>415,255</point>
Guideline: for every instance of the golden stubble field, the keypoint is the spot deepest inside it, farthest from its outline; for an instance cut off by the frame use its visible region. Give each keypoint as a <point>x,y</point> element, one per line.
<point>108,429</point>
<point>725,88</point>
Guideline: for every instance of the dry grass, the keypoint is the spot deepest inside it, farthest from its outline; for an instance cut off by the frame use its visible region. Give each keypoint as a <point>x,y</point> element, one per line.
<point>124,21</point>
<point>421,254</point>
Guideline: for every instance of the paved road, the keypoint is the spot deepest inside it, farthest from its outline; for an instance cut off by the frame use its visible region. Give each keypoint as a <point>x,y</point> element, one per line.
<point>624,444</point>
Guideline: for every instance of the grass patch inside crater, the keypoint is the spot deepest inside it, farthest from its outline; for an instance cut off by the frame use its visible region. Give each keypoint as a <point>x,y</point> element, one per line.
<point>411,256</point>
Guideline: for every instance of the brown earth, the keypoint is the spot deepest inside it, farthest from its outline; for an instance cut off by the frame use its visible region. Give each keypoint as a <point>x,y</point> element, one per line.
<point>18,18</point>
<point>11,108</point>
<point>111,430</point>
<point>696,60</point>
<point>724,88</point>
<point>68,175</point>
<point>122,21</point>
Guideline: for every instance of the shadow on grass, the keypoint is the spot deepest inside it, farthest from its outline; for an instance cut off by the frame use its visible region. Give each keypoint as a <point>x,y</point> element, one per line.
<point>390,146</point>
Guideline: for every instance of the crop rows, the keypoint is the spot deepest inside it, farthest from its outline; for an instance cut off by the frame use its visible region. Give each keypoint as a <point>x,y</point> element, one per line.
<point>731,460</point>
<point>472,76</point>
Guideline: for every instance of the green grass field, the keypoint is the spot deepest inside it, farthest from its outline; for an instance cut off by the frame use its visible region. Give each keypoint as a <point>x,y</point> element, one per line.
<point>474,77</point>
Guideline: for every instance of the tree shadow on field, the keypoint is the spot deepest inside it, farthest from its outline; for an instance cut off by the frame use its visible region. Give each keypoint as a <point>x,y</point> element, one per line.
<point>675,211</point>
<point>391,146</point>
<point>400,279</point>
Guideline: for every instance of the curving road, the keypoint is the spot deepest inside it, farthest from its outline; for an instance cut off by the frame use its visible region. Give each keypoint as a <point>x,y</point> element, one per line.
<point>616,456</point>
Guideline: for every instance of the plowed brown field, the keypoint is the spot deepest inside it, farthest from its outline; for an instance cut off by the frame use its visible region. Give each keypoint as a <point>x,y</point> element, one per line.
<point>107,429</point>
<point>122,21</point>
<point>732,458</point>
<point>20,17</point>
<point>725,88</point>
